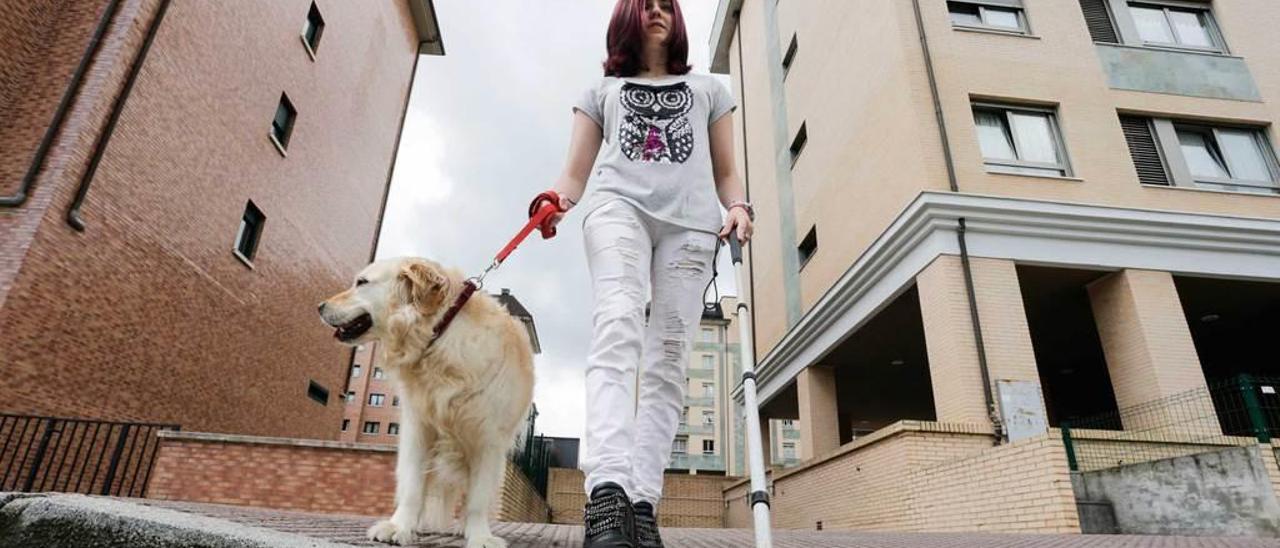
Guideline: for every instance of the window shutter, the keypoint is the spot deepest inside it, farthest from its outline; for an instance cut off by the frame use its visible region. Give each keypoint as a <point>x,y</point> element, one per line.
<point>1144,150</point>
<point>1098,18</point>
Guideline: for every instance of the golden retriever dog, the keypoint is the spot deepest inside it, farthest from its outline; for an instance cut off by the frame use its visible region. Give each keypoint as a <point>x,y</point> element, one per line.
<point>464,398</point>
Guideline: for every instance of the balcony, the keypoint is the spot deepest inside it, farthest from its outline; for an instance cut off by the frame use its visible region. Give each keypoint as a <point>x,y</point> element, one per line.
<point>700,373</point>
<point>1187,73</point>
<point>696,429</point>
<point>700,401</point>
<point>685,461</point>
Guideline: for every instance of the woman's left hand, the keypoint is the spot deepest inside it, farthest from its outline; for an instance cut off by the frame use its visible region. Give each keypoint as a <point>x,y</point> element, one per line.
<point>737,219</point>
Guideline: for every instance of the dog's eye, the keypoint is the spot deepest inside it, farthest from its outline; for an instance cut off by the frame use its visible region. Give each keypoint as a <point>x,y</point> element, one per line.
<point>361,282</point>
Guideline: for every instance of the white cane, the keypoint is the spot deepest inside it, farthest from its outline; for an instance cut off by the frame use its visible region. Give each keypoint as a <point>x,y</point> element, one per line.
<point>759,497</point>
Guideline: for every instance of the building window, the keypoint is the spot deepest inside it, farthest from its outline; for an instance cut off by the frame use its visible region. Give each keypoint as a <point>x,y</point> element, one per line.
<point>378,374</point>
<point>708,361</point>
<point>250,232</point>
<point>318,393</point>
<point>708,390</point>
<point>1002,15</point>
<point>312,30</point>
<point>789,450</point>
<point>797,144</point>
<point>393,429</point>
<point>681,445</point>
<point>788,423</point>
<point>346,423</point>
<point>371,427</point>
<point>684,415</point>
<point>1196,155</point>
<point>355,371</point>
<point>1176,24</point>
<point>282,123</point>
<point>708,418</point>
<point>709,335</point>
<point>808,246</point>
<point>375,400</point>
<point>351,397</point>
<point>708,447</point>
<point>789,58</point>
<point>1021,140</point>
<point>1097,16</point>
<point>395,401</point>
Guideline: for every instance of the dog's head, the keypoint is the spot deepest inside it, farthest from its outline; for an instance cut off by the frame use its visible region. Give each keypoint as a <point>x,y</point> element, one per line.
<point>408,287</point>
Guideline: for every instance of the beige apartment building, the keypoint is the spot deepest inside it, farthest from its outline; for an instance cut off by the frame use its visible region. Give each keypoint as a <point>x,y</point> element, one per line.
<point>980,220</point>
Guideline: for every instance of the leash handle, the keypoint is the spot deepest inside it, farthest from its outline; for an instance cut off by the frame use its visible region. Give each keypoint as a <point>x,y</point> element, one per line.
<point>541,209</point>
<point>735,247</point>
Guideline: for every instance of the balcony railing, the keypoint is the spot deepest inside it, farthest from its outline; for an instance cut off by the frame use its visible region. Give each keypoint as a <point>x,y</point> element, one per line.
<point>699,429</point>
<point>685,461</point>
<point>700,401</point>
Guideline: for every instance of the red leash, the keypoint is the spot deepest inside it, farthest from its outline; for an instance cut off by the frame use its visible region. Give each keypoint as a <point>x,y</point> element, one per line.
<point>541,209</point>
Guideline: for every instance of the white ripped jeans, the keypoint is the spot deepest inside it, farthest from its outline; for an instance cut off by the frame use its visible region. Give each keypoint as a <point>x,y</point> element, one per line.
<point>628,439</point>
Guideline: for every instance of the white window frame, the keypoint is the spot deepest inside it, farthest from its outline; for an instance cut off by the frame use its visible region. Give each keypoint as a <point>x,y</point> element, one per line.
<point>711,450</point>
<point>382,398</point>
<point>377,427</point>
<point>378,373</point>
<point>1166,133</point>
<point>708,418</point>
<point>355,371</point>
<point>993,165</point>
<point>393,429</point>
<point>1128,28</point>
<point>680,445</point>
<point>1024,25</point>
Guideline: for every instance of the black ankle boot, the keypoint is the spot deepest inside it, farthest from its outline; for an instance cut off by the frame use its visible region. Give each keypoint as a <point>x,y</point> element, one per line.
<point>608,519</point>
<point>646,526</point>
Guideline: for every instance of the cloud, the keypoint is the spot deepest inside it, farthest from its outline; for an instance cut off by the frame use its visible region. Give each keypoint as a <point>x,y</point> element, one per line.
<point>487,128</point>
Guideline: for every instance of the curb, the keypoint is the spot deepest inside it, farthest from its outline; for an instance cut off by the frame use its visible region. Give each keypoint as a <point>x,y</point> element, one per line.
<point>56,520</point>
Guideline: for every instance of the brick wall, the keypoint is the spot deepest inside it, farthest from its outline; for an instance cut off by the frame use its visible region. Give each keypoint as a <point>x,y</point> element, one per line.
<point>168,325</point>
<point>924,476</point>
<point>306,475</point>
<point>687,500</point>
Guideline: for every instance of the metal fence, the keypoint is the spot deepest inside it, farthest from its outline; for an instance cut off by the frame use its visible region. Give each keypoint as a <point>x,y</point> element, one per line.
<point>77,455</point>
<point>532,454</point>
<point>1227,412</point>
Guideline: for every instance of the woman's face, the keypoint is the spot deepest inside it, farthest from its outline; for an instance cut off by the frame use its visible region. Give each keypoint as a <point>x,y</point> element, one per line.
<point>657,21</point>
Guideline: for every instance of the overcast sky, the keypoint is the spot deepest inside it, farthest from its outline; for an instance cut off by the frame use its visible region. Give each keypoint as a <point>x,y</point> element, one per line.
<point>487,129</point>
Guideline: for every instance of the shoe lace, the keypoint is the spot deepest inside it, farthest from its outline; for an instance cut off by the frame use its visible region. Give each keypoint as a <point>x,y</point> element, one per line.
<point>607,512</point>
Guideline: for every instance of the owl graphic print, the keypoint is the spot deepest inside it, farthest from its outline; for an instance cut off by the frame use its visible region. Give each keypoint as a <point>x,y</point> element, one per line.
<point>655,127</point>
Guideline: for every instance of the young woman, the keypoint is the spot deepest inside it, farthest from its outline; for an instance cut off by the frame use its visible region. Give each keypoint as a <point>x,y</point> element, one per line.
<point>650,231</point>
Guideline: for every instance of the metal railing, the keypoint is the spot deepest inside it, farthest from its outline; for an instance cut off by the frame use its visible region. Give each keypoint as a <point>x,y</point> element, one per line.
<point>77,455</point>
<point>1238,411</point>
<point>532,455</point>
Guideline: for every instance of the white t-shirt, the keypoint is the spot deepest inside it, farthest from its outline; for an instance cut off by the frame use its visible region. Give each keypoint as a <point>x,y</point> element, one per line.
<point>656,153</point>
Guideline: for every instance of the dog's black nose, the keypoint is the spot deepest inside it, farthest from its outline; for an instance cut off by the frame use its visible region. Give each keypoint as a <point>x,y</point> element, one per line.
<point>322,308</point>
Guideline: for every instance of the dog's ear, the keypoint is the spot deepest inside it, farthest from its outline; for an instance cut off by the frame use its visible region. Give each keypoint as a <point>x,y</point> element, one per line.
<point>425,285</point>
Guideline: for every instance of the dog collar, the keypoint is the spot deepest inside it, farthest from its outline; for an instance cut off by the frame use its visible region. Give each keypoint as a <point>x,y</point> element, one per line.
<point>468,287</point>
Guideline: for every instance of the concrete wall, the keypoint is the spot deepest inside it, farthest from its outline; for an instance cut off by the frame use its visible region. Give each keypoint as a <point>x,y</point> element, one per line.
<point>924,476</point>
<point>687,500</point>
<point>307,475</point>
<point>1224,492</point>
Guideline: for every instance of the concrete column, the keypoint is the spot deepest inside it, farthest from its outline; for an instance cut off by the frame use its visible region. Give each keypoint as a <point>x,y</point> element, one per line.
<point>819,416</point>
<point>1148,346</point>
<point>954,369</point>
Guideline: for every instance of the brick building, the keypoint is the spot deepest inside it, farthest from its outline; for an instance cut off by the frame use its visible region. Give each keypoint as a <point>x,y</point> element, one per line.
<point>182,182</point>
<point>980,220</point>
<point>371,413</point>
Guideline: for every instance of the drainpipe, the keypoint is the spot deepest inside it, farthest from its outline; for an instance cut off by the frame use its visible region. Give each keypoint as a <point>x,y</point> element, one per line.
<point>992,412</point>
<point>73,213</point>
<point>746,171</point>
<point>46,142</point>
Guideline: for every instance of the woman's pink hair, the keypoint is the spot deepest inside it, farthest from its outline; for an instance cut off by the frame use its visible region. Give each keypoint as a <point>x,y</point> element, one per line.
<point>625,41</point>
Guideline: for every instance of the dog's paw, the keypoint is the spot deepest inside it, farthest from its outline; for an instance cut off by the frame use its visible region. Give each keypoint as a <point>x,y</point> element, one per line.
<point>388,531</point>
<point>486,542</point>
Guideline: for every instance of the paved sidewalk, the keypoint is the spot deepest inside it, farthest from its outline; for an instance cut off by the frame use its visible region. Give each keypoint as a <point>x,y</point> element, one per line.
<point>74,520</point>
